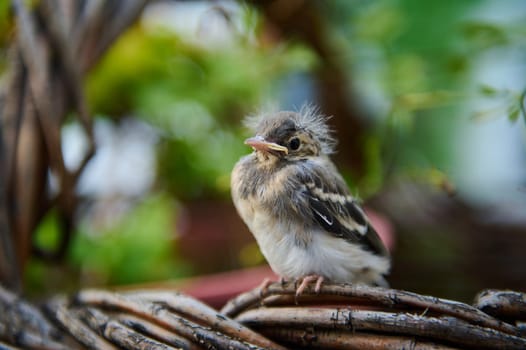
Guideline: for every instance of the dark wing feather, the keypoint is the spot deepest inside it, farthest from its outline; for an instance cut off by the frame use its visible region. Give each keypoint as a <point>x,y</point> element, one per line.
<point>337,212</point>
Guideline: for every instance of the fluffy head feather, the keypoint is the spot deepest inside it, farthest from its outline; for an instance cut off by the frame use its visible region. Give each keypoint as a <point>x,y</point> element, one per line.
<point>308,119</point>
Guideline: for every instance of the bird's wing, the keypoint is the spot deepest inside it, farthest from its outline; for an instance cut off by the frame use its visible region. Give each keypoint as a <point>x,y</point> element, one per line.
<point>337,211</point>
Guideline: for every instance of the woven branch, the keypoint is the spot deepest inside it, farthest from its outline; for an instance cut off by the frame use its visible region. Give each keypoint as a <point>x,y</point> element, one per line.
<point>70,321</point>
<point>345,309</point>
<point>340,317</point>
<point>446,329</point>
<point>364,295</point>
<point>328,339</point>
<point>203,314</point>
<point>118,333</point>
<point>506,305</point>
<point>24,325</point>
<point>56,42</point>
<point>155,331</point>
<point>158,312</point>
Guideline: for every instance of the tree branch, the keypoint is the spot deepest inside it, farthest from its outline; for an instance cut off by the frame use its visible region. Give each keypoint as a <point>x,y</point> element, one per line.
<point>358,294</point>
<point>446,329</point>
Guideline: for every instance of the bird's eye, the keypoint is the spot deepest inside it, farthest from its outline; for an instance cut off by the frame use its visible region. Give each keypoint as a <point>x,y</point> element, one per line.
<point>294,143</point>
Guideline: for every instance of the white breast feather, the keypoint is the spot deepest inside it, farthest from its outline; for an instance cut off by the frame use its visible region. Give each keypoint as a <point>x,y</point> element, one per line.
<point>325,255</point>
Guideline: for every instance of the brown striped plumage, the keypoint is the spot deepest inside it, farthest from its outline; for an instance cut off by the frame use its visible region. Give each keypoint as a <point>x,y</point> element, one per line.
<point>297,205</point>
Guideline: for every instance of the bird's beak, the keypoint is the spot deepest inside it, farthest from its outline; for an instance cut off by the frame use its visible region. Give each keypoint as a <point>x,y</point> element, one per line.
<point>260,144</point>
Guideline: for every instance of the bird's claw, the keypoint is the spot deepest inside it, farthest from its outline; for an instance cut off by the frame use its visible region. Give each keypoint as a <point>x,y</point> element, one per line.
<point>305,282</point>
<point>263,287</point>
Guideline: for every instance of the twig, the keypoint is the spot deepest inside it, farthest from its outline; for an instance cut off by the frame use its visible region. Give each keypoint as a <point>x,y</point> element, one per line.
<point>203,314</point>
<point>54,15</point>
<point>337,340</point>
<point>35,57</point>
<point>159,314</point>
<point>21,317</point>
<point>25,326</point>
<point>12,107</point>
<point>69,320</point>
<point>155,331</point>
<point>4,346</point>
<point>502,304</point>
<point>129,11</point>
<point>32,341</point>
<point>89,19</point>
<point>385,297</point>
<point>447,329</point>
<point>118,333</point>
<point>9,267</point>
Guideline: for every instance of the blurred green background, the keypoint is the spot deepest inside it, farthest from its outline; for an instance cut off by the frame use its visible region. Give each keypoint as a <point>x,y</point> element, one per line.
<point>438,87</point>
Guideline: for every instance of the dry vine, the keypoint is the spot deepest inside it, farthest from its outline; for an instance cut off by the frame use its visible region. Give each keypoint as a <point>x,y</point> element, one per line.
<point>383,318</point>
<point>55,44</point>
<point>340,317</point>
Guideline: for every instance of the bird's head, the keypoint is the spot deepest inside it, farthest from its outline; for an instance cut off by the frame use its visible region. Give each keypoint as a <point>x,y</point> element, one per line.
<point>291,135</point>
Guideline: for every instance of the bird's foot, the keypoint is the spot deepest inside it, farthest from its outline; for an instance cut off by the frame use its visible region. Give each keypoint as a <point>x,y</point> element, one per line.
<point>263,287</point>
<point>305,282</point>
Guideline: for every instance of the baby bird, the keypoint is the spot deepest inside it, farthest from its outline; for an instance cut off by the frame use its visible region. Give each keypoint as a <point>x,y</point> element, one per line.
<point>298,207</point>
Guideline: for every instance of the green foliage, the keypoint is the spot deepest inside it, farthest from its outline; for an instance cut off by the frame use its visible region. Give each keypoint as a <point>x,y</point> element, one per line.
<point>47,235</point>
<point>505,103</point>
<point>199,166</point>
<point>138,247</point>
<point>149,72</point>
<point>412,64</point>
<point>485,35</point>
<point>6,32</point>
<point>192,95</point>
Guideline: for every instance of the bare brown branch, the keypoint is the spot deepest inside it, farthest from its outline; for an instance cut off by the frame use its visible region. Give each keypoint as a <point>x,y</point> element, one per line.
<point>446,329</point>
<point>341,317</point>
<point>358,294</point>
<point>156,332</point>
<point>70,321</point>
<point>502,304</point>
<point>118,333</point>
<point>158,313</point>
<point>129,11</point>
<point>313,337</point>
<point>203,314</point>
<point>24,325</point>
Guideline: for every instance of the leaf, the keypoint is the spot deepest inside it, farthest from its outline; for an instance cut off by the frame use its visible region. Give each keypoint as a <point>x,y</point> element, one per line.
<point>485,34</point>
<point>488,90</point>
<point>513,113</point>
